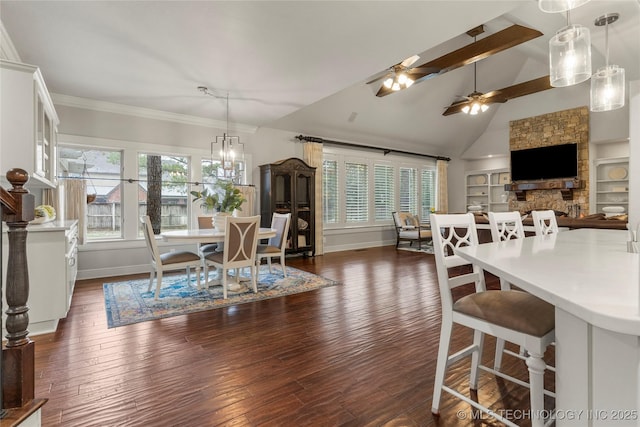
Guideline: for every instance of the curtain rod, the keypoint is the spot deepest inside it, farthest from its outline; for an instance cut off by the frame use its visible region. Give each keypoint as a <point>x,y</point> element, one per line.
<point>132,180</point>
<point>384,150</point>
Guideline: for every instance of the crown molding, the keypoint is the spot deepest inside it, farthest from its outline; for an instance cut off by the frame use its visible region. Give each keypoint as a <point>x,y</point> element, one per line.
<point>7,49</point>
<point>146,113</point>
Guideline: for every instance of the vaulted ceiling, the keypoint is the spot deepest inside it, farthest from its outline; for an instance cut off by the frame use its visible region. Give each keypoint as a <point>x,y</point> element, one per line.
<point>303,66</point>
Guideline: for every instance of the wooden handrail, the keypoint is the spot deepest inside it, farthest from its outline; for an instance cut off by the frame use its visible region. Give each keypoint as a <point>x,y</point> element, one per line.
<point>7,201</point>
<point>18,354</point>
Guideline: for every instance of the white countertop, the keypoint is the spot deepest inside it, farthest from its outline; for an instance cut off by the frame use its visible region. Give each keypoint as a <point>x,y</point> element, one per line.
<point>55,225</point>
<point>586,272</point>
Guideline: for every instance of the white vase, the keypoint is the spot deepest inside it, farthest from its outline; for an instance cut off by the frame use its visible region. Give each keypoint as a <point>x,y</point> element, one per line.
<point>220,221</point>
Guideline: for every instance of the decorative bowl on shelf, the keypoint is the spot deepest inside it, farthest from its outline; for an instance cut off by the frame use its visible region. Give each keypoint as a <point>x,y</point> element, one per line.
<point>613,209</point>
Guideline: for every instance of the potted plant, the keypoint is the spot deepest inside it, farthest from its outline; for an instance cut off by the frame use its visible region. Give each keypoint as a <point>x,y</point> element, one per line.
<point>223,200</point>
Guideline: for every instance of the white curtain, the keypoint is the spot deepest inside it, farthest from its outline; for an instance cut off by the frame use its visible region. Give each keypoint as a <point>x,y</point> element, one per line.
<point>249,194</point>
<point>443,200</point>
<point>75,204</point>
<point>51,197</point>
<point>313,156</point>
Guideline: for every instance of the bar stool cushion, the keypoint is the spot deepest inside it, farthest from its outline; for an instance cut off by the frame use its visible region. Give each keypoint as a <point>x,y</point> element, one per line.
<point>514,310</point>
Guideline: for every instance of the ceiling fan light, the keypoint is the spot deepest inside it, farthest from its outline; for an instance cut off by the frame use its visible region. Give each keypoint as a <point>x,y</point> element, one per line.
<point>466,109</point>
<point>409,82</point>
<point>607,89</point>
<point>555,6</point>
<point>484,107</point>
<point>388,82</point>
<point>475,108</point>
<point>570,56</point>
<point>395,86</point>
<point>402,78</point>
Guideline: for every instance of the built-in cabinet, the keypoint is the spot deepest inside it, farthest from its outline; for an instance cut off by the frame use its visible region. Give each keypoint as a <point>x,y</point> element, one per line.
<point>28,135</point>
<point>485,189</point>
<point>611,183</point>
<point>288,186</point>
<point>52,258</point>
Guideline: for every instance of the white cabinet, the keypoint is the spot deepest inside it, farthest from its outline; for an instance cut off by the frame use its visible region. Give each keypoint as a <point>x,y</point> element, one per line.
<point>52,257</point>
<point>486,189</point>
<point>28,135</point>
<point>612,183</point>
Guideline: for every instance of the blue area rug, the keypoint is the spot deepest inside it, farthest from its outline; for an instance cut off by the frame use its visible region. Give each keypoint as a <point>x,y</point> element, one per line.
<point>129,302</point>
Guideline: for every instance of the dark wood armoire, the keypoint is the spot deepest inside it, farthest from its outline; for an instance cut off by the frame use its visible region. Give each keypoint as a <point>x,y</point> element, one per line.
<point>288,186</point>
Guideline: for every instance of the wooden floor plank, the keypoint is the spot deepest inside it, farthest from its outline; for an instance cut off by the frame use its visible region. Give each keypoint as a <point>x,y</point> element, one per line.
<point>362,353</point>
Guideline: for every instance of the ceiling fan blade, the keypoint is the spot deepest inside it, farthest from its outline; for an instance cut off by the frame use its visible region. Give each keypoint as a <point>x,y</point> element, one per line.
<point>379,77</point>
<point>456,107</point>
<point>505,94</point>
<point>520,89</point>
<point>401,65</point>
<point>483,48</point>
<point>409,61</point>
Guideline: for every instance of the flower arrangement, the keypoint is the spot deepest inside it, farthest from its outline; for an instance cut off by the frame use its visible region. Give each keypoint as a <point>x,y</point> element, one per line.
<point>224,197</point>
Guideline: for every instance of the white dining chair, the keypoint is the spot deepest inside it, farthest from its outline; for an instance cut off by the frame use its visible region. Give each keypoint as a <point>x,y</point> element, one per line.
<point>168,261</point>
<point>514,316</point>
<point>505,226</point>
<point>240,243</point>
<point>277,245</point>
<point>544,222</point>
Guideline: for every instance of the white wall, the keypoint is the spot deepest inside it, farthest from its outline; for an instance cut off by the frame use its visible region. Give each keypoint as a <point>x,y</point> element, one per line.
<point>143,132</point>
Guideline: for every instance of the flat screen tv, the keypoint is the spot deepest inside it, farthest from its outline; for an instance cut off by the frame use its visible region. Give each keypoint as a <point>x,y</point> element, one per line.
<point>552,162</point>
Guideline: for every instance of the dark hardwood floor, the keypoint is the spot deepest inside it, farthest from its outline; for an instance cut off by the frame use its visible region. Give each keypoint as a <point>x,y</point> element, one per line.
<point>362,353</point>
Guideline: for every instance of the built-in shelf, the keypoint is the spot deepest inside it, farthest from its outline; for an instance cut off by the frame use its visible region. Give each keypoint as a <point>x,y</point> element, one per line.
<point>611,183</point>
<point>566,187</point>
<point>485,188</point>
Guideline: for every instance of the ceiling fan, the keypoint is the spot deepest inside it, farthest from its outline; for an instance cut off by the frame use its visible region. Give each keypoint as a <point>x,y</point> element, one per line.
<point>498,96</point>
<point>480,49</point>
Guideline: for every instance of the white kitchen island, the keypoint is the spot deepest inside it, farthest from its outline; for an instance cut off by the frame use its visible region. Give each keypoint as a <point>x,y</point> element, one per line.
<point>594,285</point>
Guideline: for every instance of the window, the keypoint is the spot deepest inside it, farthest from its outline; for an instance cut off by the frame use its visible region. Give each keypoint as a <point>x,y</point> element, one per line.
<point>102,172</point>
<point>383,194</point>
<point>363,188</point>
<point>357,192</point>
<point>428,185</point>
<point>163,190</point>
<point>330,191</point>
<point>409,190</point>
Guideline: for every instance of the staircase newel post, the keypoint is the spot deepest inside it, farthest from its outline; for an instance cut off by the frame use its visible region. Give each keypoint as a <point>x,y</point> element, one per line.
<point>18,380</point>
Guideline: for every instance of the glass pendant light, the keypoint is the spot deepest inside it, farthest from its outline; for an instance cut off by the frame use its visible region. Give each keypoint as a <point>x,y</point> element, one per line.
<point>608,83</point>
<point>555,6</point>
<point>570,55</point>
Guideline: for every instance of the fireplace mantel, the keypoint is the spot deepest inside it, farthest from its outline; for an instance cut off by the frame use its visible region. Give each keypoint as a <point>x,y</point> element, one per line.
<point>566,187</point>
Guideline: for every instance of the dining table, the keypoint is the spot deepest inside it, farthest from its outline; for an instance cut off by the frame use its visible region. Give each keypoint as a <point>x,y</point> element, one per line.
<point>207,235</point>
<point>593,282</point>
<point>211,235</point>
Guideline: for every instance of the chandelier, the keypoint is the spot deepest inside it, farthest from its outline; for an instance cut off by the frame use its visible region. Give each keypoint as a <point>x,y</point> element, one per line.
<point>607,84</point>
<point>230,150</point>
<point>554,6</point>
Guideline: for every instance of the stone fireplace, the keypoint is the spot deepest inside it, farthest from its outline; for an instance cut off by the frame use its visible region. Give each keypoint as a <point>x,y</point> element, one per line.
<point>561,127</point>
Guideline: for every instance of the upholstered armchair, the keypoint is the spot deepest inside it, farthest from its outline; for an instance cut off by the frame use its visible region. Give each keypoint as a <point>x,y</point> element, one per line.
<point>408,228</point>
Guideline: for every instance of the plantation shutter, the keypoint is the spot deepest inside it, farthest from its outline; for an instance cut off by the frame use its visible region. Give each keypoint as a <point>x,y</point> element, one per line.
<point>384,194</point>
<point>357,192</point>
<point>409,190</point>
<point>330,191</point>
<point>428,192</point>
